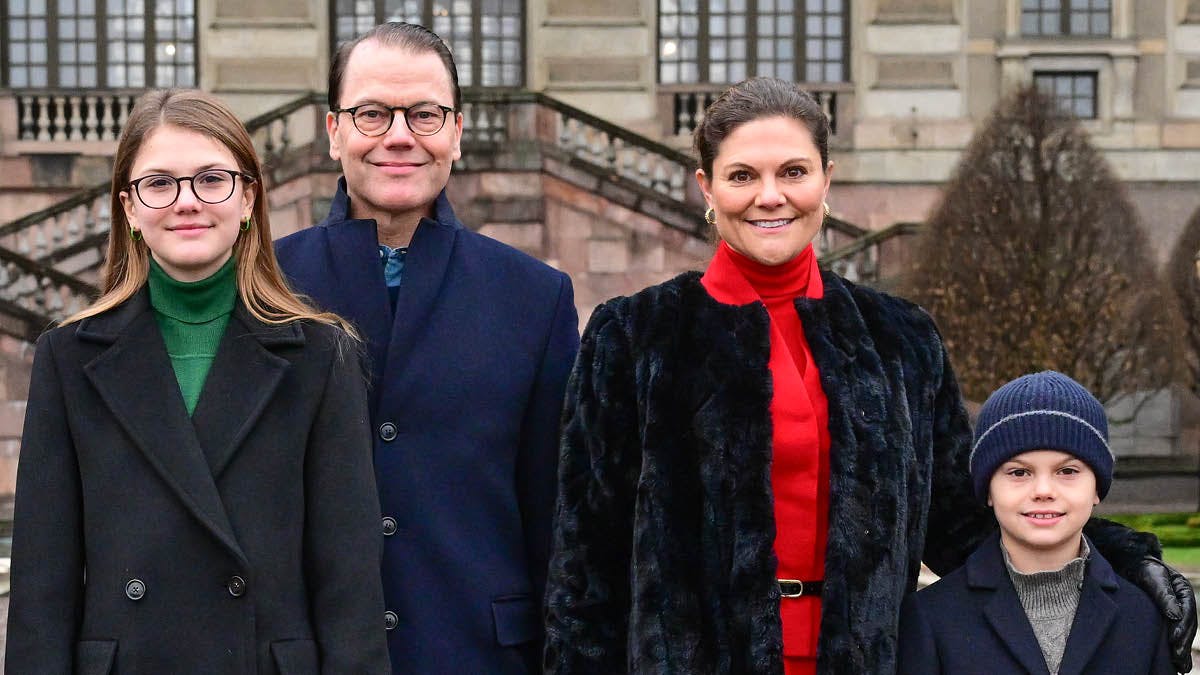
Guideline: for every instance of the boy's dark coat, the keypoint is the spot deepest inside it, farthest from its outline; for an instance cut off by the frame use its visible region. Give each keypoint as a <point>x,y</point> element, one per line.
<point>972,623</point>
<point>270,480</point>
<point>663,558</point>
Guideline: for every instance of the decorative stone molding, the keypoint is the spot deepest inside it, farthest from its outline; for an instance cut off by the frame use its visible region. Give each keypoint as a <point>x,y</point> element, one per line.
<point>915,73</point>
<point>608,71</point>
<point>914,11</point>
<point>575,9</point>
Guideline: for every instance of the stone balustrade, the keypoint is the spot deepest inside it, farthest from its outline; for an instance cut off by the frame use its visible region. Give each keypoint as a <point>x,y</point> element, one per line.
<point>70,236</point>
<point>32,295</point>
<point>72,116</point>
<point>502,120</point>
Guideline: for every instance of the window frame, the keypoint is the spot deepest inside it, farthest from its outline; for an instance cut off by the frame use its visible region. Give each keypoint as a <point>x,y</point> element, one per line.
<point>149,42</point>
<point>1075,76</point>
<point>703,61</point>
<point>1065,13</point>
<point>477,40</point>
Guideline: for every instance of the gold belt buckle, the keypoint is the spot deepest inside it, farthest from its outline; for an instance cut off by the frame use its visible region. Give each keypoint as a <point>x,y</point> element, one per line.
<point>790,588</point>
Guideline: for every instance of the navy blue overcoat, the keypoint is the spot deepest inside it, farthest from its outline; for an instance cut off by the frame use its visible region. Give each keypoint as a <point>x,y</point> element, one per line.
<point>467,389</point>
<point>971,623</point>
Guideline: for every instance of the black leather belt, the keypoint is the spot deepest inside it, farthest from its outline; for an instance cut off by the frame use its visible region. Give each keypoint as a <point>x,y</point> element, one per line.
<point>794,588</point>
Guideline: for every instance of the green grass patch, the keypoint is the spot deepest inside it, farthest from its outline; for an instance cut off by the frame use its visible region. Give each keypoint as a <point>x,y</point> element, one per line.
<point>1174,530</point>
<point>1148,522</point>
<point>1184,559</point>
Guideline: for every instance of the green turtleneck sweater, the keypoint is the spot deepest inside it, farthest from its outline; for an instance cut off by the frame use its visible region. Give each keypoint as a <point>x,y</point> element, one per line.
<point>192,317</point>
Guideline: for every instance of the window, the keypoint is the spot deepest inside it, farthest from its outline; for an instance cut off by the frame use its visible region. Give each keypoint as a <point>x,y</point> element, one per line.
<point>99,43</point>
<point>485,36</point>
<point>1066,17</point>
<point>723,41</point>
<point>1075,91</point>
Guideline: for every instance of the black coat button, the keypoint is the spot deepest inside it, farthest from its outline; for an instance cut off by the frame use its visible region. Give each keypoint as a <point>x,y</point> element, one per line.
<point>387,431</point>
<point>389,526</point>
<point>390,620</point>
<point>135,589</point>
<point>236,586</point>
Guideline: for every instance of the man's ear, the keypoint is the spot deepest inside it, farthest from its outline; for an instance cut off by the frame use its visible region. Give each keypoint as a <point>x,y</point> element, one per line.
<point>456,148</point>
<point>331,126</point>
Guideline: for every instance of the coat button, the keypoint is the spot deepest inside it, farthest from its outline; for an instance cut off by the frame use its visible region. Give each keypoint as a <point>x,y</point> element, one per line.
<point>390,620</point>
<point>389,526</point>
<point>135,589</point>
<point>387,431</point>
<point>236,586</point>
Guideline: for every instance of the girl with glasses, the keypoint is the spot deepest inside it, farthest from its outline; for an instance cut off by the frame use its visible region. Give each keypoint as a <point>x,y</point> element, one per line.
<point>195,492</point>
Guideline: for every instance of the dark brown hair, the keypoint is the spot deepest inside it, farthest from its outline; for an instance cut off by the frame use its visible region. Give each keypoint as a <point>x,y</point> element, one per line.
<point>754,99</point>
<point>409,36</point>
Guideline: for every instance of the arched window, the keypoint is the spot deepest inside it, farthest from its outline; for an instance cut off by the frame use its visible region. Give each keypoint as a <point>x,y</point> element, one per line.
<point>486,36</point>
<point>724,41</point>
<point>99,43</point>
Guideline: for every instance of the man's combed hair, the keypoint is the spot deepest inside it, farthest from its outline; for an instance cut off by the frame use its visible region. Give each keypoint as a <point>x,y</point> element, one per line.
<point>408,36</point>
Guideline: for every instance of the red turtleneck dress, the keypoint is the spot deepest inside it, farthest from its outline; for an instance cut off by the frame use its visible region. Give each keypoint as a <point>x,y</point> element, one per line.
<point>800,433</point>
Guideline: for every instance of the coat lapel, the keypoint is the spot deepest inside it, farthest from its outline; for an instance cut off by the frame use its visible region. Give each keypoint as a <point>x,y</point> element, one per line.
<point>861,457</point>
<point>1097,609</point>
<point>135,380</point>
<point>358,287</point>
<point>986,572</point>
<point>242,380</point>
<point>424,270</point>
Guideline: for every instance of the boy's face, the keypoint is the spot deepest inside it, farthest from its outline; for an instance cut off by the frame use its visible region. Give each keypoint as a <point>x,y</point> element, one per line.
<point>1042,499</point>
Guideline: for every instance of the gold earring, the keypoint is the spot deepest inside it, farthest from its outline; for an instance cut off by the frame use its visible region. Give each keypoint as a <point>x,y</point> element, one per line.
<point>710,216</point>
<point>134,233</point>
<point>826,205</point>
<point>246,224</point>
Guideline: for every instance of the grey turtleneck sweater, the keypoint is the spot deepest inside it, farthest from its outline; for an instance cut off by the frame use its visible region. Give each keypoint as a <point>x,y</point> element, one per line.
<point>1050,600</point>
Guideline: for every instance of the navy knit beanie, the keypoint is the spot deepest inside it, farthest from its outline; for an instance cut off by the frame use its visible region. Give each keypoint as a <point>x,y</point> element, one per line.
<point>1043,411</point>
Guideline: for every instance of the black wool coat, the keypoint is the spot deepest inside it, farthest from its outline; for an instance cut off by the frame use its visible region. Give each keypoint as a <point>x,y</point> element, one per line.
<point>971,623</point>
<point>241,541</point>
<point>663,555</point>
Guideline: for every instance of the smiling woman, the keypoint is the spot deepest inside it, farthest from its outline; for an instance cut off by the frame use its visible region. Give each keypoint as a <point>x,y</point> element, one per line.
<point>767,187</point>
<point>756,459</point>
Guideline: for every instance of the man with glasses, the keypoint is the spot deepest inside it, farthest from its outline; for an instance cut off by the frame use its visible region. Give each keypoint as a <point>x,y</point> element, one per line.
<point>470,344</point>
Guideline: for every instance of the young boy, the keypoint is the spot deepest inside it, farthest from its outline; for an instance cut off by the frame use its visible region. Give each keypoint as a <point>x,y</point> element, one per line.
<point>1036,598</point>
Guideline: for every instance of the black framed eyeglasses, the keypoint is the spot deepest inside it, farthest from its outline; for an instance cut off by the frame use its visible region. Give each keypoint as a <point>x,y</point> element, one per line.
<point>158,191</point>
<point>373,119</point>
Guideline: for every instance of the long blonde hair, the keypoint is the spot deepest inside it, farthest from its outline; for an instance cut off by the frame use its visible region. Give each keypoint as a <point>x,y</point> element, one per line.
<point>260,283</point>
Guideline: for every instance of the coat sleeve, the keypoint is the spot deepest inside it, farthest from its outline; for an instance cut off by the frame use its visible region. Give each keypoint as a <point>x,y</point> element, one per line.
<point>47,548</point>
<point>587,591</point>
<point>957,522</point>
<point>1161,663</point>
<point>537,460</point>
<point>342,541</point>
<point>917,648</point>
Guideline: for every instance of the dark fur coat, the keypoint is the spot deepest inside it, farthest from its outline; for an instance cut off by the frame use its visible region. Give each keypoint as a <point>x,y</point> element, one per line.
<point>663,544</point>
